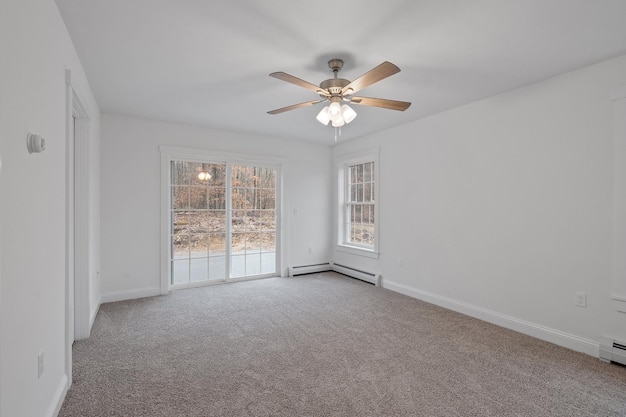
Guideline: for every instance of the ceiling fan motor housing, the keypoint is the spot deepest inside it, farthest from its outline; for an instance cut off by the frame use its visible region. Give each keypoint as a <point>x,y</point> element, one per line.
<point>334,85</point>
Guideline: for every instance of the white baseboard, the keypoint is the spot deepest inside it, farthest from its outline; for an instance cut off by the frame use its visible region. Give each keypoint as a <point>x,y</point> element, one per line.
<point>113,296</point>
<point>570,341</point>
<point>59,397</point>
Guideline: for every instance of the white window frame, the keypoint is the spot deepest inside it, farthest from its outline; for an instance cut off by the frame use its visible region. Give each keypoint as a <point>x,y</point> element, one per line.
<point>342,162</point>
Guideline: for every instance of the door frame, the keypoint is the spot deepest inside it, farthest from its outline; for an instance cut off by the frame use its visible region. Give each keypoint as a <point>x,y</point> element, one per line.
<point>170,153</point>
<point>77,226</point>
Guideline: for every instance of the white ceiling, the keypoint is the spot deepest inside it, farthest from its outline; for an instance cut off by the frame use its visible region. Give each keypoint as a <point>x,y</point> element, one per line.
<point>206,63</point>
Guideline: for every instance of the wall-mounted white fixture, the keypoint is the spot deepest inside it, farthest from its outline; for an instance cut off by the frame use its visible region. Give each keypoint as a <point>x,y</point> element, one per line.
<point>35,143</point>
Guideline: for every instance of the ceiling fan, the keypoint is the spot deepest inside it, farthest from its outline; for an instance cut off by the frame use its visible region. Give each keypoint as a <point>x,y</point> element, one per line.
<point>337,90</point>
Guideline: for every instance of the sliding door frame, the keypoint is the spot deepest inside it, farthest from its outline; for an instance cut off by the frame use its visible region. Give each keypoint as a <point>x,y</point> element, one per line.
<point>172,153</point>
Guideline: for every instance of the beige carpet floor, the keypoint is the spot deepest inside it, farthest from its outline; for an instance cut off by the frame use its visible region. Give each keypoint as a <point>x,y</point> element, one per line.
<point>324,345</point>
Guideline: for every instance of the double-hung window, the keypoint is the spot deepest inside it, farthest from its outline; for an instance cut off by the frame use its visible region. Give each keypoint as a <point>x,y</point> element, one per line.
<point>358,208</point>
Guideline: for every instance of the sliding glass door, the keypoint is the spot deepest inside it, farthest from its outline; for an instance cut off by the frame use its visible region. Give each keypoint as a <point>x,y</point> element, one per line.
<point>253,219</point>
<point>222,221</point>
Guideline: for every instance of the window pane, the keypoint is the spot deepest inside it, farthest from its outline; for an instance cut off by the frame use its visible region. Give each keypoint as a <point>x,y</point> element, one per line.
<point>366,214</point>
<point>253,264</point>
<point>267,199</point>
<point>359,192</point>
<point>181,173</point>
<point>181,221</point>
<point>356,214</point>
<point>198,222</point>
<point>268,263</point>
<point>216,221</point>
<point>267,178</point>
<point>180,271</point>
<point>252,198</point>
<point>253,242</point>
<point>238,266</point>
<point>367,172</point>
<point>268,242</point>
<point>216,198</point>
<point>238,222</point>
<point>238,243</point>
<point>368,234</point>
<point>243,176</point>
<point>217,244</point>
<point>367,192</point>
<point>355,233</point>
<point>180,197</point>
<point>199,269</point>
<point>217,267</point>
<point>268,220</point>
<point>218,175</point>
<point>180,247</point>
<point>198,245</point>
<point>372,217</point>
<point>197,197</point>
<point>239,198</point>
<point>253,220</point>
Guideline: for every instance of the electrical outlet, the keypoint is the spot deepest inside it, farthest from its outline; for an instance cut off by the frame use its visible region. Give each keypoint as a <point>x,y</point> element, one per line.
<point>40,364</point>
<point>310,249</point>
<point>400,261</point>
<point>581,299</point>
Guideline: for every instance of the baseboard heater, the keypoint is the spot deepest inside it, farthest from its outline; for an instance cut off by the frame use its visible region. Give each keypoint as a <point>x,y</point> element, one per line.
<point>309,269</point>
<point>342,269</point>
<point>357,273</point>
<point>612,351</point>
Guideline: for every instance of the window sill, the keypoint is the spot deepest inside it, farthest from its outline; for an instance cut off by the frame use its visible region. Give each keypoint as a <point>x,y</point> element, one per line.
<point>355,250</point>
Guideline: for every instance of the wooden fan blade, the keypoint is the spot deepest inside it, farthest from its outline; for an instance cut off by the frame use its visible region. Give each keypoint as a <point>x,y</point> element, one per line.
<point>384,70</point>
<point>295,106</point>
<point>381,102</point>
<point>297,81</point>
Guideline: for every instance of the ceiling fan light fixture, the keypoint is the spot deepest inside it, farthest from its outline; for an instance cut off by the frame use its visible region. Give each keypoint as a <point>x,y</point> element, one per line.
<point>323,117</point>
<point>347,113</point>
<point>334,110</point>
<point>338,122</point>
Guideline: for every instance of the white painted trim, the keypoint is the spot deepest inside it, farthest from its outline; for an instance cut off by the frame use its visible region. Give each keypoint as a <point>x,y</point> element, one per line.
<point>58,398</point>
<point>69,226</point>
<point>567,340</point>
<point>82,274</point>
<point>204,154</point>
<point>114,296</point>
<point>619,199</point>
<point>166,156</point>
<point>355,250</point>
<point>340,163</point>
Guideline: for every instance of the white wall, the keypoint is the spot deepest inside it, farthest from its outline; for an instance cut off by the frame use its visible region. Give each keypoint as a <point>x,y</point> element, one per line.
<point>502,208</point>
<point>35,51</point>
<point>131,196</point>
